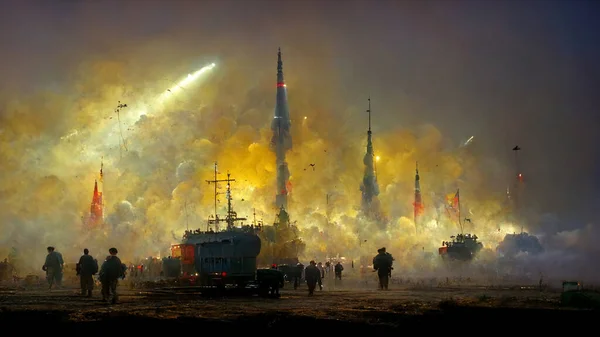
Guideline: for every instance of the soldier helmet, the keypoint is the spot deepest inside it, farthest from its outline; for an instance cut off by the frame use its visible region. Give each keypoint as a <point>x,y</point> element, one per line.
<point>113,250</point>
<point>380,250</point>
<point>50,248</point>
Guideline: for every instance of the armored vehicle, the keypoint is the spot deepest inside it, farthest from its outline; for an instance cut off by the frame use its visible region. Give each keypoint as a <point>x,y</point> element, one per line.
<point>463,247</point>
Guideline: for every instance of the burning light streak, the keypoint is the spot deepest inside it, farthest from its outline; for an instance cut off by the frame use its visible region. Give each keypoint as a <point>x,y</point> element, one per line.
<point>177,88</point>
<point>184,82</point>
<point>110,137</point>
<point>469,141</point>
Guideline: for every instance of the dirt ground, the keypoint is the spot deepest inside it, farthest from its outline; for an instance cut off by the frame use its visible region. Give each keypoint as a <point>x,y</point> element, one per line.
<point>346,307</point>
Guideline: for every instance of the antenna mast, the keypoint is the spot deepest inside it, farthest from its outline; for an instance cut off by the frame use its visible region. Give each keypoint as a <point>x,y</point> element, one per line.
<point>122,139</point>
<point>517,194</point>
<point>369,111</point>
<point>231,217</point>
<point>187,222</point>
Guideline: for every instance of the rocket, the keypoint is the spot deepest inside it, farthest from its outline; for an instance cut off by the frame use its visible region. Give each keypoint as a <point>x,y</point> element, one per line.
<point>96,211</point>
<point>418,204</point>
<point>97,205</point>
<point>281,141</point>
<point>369,186</point>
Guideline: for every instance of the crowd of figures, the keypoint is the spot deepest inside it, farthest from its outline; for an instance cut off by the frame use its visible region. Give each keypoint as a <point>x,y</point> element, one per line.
<point>112,269</point>
<point>314,274</point>
<point>109,273</point>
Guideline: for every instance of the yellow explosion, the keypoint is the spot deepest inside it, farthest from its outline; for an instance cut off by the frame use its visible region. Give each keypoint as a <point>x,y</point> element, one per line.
<point>52,144</point>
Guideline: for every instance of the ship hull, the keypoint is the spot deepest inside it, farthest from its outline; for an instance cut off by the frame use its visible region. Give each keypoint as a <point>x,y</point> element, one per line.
<point>218,258</point>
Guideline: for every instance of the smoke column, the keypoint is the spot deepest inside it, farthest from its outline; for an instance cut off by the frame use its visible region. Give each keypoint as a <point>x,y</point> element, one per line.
<point>369,187</point>
<point>282,139</point>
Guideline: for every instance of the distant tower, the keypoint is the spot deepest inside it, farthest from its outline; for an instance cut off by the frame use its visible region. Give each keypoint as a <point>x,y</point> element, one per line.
<point>369,187</point>
<point>418,204</point>
<point>518,190</point>
<point>281,141</point>
<point>508,205</point>
<point>97,206</point>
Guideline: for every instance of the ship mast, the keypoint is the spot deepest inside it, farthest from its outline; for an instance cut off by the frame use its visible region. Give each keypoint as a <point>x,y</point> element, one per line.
<point>187,222</point>
<point>231,217</point>
<point>122,140</point>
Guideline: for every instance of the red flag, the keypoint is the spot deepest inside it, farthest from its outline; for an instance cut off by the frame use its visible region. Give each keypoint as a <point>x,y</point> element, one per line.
<point>452,206</point>
<point>452,200</point>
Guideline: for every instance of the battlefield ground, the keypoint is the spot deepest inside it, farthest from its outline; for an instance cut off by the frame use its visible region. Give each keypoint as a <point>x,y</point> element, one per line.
<point>353,306</point>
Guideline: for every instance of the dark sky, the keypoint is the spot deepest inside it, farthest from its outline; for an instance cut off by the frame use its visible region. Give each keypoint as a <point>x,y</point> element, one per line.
<point>507,72</point>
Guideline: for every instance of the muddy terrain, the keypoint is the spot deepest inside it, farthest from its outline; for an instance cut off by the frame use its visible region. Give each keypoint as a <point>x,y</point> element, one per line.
<point>361,310</point>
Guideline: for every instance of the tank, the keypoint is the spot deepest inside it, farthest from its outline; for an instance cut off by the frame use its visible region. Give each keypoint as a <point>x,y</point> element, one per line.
<point>517,243</point>
<point>463,247</point>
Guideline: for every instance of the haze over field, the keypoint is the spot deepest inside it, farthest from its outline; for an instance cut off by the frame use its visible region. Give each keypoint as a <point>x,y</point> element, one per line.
<point>437,74</point>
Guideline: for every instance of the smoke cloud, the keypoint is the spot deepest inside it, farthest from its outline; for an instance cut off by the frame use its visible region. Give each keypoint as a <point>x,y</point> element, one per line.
<point>58,123</point>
